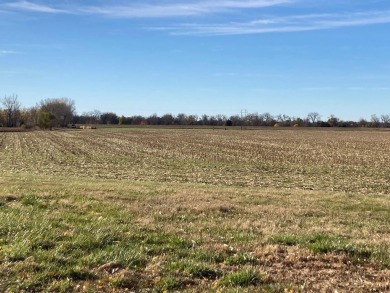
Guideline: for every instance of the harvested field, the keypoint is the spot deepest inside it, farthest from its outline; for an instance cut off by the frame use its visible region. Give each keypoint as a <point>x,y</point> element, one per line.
<point>195,210</point>
<point>320,160</point>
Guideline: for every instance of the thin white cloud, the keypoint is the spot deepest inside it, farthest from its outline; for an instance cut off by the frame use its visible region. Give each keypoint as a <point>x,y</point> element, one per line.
<point>30,6</point>
<point>150,10</point>
<point>294,23</point>
<point>7,52</point>
<point>178,9</point>
<point>192,8</point>
<point>143,11</point>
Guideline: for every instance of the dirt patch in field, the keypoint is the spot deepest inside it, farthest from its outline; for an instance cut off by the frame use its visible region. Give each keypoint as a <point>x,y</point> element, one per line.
<point>321,272</point>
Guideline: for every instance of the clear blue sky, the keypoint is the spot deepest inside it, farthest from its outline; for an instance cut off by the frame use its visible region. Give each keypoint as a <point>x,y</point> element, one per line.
<point>200,56</point>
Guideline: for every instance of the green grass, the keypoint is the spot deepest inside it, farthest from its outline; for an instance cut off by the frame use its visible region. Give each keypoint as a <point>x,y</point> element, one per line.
<point>243,278</point>
<point>322,243</point>
<point>58,237</point>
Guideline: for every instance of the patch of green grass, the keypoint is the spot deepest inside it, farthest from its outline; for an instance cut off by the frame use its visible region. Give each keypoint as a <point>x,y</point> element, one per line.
<point>202,271</point>
<point>170,283</point>
<point>324,243</point>
<point>128,255</point>
<point>15,252</point>
<point>208,257</point>
<point>285,239</point>
<point>243,278</point>
<point>328,243</point>
<point>316,242</point>
<point>245,236</point>
<point>33,200</point>
<point>241,259</point>
<point>193,269</point>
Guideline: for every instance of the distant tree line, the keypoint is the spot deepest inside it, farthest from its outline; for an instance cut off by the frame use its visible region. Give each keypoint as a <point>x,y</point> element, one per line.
<point>313,119</point>
<point>61,112</point>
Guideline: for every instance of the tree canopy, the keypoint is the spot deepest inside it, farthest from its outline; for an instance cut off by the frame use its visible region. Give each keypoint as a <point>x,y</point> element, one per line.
<point>61,110</point>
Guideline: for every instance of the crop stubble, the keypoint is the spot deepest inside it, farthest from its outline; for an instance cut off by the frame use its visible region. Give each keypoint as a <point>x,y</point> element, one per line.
<point>321,160</point>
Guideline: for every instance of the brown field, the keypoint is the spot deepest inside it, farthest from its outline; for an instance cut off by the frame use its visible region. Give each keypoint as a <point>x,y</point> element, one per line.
<point>271,210</point>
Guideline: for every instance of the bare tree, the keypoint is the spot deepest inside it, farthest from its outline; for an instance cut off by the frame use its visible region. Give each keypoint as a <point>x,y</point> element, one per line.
<point>375,122</point>
<point>192,119</point>
<point>181,119</point>
<point>29,117</point>
<point>385,120</point>
<point>235,119</point>
<point>363,122</point>
<point>167,119</point>
<point>109,118</point>
<point>254,119</point>
<point>221,119</point>
<point>11,110</point>
<point>283,119</point>
<point>268,119</point>
<point>2,119</point>
<point>61,109</point>
<point>313,117</point>
<point>333,120</point>
<point>95,116</point>
<point>92,117</point>
<point>280,119</point>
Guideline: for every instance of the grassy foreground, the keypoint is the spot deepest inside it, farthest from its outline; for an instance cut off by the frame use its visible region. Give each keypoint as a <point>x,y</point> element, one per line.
<point>61,232</point>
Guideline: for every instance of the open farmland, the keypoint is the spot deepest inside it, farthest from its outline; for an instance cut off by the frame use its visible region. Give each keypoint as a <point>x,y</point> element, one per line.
<point>196,210</point>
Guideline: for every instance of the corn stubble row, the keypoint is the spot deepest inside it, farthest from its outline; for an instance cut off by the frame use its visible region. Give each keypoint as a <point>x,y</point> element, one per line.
<point>350,161</point>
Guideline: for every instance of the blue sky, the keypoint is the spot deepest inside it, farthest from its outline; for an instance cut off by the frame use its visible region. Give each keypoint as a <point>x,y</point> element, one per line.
<point>200,57</point>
